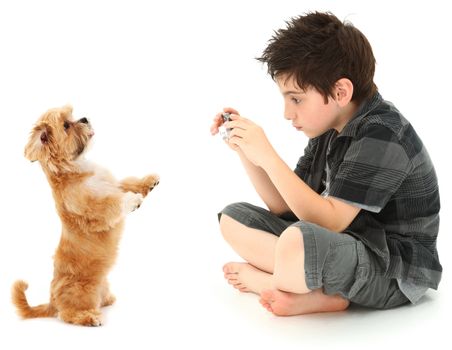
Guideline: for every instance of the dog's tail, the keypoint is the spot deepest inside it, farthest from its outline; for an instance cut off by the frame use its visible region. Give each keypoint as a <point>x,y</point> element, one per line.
<point>23,308</point>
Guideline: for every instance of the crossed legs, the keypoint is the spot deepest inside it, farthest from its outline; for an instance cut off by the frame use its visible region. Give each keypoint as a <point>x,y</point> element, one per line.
<point>274,269</point>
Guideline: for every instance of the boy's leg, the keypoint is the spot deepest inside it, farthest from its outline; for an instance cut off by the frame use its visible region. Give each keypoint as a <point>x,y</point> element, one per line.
<point>255,246</point>
<point>246,278</point>
<point>252,232</point>
<point>289,272</point>
<point>283,257</point>
<point>290,295</point>
<point>288,264</point>
<point>290,304</point>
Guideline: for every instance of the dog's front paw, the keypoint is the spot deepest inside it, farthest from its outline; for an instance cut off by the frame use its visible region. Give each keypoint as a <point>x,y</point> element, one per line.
<point>151,181</point>
<point>132,201</point>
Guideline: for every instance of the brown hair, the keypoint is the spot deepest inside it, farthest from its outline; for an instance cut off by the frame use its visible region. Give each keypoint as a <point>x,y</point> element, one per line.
<point>317,49</point>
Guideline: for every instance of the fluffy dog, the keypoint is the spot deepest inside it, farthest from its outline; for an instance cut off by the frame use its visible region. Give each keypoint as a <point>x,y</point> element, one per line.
<point>92,206</point>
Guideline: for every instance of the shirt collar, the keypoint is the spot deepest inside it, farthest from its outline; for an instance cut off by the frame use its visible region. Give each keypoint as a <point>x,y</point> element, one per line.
<point>351,128</point>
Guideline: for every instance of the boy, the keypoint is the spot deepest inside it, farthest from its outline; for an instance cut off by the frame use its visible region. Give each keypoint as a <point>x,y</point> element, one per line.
<point>358,218</point>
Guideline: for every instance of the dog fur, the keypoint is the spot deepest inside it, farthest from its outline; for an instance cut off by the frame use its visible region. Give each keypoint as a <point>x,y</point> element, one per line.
<point>92,206</point>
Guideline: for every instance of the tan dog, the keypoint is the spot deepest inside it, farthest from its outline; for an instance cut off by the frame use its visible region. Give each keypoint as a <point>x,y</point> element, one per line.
<point>92,206</point>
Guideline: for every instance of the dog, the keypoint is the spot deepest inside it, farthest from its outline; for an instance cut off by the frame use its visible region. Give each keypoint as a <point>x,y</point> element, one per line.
<point>92,206</point>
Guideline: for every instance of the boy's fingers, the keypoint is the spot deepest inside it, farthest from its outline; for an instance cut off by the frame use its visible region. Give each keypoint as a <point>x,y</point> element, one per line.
<point>213,130</point>
<point>236,122</point>
<point>235,142</point>
<point>237,132</point>
<point>230,110</point>
<point>239,118</point>
<point>217,122</point>
<point>218,119</point>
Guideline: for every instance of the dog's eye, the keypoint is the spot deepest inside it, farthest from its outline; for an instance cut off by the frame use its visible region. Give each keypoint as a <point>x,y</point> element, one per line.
<point>66,125</point>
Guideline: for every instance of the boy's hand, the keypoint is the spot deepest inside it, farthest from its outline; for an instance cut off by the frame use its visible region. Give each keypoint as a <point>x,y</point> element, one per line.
<point>218,120</point>
<point>250,138</point>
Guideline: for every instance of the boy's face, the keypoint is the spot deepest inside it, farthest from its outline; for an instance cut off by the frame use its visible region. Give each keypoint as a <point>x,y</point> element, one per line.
<point>307,108</point>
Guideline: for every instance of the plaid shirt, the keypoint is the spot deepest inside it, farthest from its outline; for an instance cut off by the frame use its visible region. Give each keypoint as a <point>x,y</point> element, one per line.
<point>379,164</point>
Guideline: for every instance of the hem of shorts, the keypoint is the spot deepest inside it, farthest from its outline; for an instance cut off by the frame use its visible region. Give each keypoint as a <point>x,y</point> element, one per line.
<point>236,215</point>
<point>311,268</point>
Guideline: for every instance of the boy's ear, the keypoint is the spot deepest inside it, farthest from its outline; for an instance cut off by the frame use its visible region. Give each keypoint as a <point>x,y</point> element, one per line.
<point>38,142</point>
<point>343,91</point>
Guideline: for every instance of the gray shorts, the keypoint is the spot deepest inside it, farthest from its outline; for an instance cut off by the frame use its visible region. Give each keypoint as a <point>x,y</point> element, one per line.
<point>338,263</point>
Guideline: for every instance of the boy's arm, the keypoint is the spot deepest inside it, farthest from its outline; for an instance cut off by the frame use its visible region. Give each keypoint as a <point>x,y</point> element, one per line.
<point>305,203</point>
<point>259,178</point>
<point>264,186</point>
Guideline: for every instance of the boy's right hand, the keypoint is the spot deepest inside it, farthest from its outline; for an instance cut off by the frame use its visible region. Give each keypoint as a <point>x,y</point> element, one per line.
<point>218,120</point>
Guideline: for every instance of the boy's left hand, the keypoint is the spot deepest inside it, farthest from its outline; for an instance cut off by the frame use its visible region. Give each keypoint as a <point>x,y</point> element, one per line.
<point>251,140</point>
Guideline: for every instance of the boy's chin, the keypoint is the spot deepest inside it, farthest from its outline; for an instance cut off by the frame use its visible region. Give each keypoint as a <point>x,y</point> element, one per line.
<point>310,134</point>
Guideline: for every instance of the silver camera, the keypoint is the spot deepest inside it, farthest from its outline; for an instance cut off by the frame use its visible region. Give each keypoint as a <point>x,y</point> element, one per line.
<point>224,132</point>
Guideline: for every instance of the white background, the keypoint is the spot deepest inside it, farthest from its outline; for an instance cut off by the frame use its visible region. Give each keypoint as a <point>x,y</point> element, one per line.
<point>150,76</point>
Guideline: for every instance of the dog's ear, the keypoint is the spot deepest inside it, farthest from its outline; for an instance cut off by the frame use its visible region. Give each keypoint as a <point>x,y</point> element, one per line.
<point>38,142</point>
<point>67,109</point>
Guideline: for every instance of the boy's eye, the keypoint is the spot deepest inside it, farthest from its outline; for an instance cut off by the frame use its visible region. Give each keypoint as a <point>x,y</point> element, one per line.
<point>295,100</point>
<point>66,125</point>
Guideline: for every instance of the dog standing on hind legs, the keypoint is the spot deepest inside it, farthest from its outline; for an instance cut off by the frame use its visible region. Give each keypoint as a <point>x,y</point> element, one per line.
<point>92,206</point>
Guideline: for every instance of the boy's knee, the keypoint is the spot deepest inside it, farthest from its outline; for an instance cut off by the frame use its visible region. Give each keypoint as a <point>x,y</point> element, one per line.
<point>226,226</point>
<point>291,240</point>
<point>289,262</point>
<point>224,221</point>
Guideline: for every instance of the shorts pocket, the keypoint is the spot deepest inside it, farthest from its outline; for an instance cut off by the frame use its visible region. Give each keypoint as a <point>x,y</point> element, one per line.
<point>340,268</point>
<point>361,272</point>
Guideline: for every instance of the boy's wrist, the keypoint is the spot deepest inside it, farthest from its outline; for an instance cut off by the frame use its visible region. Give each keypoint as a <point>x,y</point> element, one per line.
<point>270,162</point>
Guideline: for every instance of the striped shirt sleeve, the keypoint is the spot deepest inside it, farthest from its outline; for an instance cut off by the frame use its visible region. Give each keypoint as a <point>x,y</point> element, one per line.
<point>372,169</point>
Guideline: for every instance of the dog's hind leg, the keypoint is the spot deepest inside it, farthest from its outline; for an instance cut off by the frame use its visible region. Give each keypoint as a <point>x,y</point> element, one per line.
<point>91,317</point>
<point>107,298</point>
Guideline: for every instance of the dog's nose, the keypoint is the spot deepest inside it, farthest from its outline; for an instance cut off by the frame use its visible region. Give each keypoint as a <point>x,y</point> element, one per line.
<point>84,121</point>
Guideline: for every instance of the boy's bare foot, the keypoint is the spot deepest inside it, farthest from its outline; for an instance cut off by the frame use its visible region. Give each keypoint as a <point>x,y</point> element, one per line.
<point>246,278</point>
<point>289,304</point>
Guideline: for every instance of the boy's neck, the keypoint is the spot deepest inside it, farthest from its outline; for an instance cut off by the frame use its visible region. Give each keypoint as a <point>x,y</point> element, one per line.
<point>347,114</point>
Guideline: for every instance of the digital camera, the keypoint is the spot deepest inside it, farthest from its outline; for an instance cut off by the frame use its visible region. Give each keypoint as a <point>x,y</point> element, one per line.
<point>224,132</point>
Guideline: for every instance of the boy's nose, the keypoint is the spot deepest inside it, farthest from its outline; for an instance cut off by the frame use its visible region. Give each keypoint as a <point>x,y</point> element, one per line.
<point>289,116</point>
